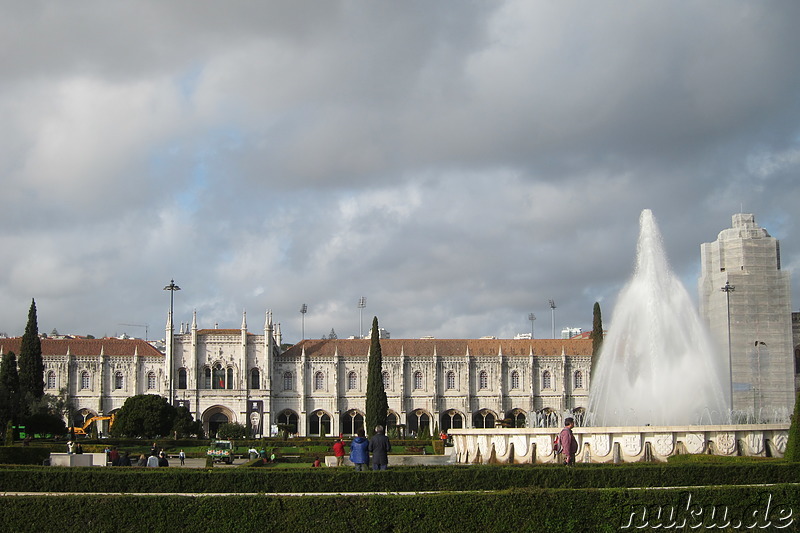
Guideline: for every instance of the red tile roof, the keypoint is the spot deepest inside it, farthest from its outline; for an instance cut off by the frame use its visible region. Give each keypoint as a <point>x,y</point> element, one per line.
<point>444,347</point>
<point>106,346</point>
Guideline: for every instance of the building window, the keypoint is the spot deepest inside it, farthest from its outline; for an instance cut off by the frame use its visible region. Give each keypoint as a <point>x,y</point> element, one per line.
<point>385,377</point>
<point>287,381</point>
<point>319,381</point>
<point>352,380</point>
<point>230,378</point>
<point>151,380</point>
<point>514,379</point>
<point>85,380</point>
<point>578,379</point>
<point>417,380</point>
<point>546,380</point>
<point>51,380</point>
<point>206,378</point>
<point>119,381</point>
<point>182,378</point>
<point>255,379</point>
<point>450,380</point>
<point>483,380</point>
<point>218,377</point>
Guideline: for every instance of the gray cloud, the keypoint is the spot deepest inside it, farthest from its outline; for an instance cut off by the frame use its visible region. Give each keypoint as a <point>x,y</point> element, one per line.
<point>457,163</point>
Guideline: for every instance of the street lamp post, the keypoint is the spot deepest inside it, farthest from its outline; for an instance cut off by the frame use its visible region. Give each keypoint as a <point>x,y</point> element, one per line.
<point>532,318</point>
<point>171,288</point>
<point>728,289</point>
<point>553,317</point>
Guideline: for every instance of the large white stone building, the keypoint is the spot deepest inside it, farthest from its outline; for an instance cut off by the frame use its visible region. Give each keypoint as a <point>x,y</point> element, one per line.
<point>318,387</point>
<point>746,260</point>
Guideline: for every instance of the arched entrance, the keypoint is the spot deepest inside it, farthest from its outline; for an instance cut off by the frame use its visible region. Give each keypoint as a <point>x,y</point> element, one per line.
<point>319,424</point>
<point>287,418</point>
<point>214,417</point>
<point>419,421</point>
<point>484,419</point>
<point>452,419</point>
<point>518,418</point>
<point>351,421</point>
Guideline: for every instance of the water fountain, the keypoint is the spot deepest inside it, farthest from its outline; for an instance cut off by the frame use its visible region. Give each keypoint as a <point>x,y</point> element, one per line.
<point>658,365</point>
<point>659,387</point>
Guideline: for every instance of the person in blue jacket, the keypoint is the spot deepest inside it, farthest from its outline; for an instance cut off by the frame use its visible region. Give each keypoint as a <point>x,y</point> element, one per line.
<point>359,450</point>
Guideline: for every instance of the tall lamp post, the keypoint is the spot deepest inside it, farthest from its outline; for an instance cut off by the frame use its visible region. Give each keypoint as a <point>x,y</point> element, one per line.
<point>362,303</point>
<point>553,317</point>
<point>171,288</point>
<point>303,311</point>
<point>532,318</point>
<point>728,289</point>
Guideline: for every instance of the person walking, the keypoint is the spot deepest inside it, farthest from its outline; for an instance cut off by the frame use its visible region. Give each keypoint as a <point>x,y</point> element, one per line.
<point>380,447</point>
<point>567,443</point>
<point>338,451</point>
<point>359,450</point>
<point>182,457</point>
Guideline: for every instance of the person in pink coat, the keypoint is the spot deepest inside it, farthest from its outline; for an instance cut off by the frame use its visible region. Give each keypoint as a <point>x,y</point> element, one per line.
<point>567,442</point>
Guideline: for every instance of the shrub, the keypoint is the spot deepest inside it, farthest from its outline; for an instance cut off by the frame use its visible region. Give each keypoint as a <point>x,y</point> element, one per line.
<point>28,455</point>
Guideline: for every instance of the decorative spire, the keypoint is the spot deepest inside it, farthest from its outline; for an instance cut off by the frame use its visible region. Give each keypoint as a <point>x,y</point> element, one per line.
<point>194,319</point>
<point>244,320</point>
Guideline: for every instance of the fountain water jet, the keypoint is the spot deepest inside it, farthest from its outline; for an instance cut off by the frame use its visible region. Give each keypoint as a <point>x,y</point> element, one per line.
<point>658,365</point>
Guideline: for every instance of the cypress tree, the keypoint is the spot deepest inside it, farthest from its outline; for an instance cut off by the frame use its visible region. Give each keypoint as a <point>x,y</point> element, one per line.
<point>31,367</point>
<point>9,389</point>
<point>377,404</point>
<point>597,334</point>
<point>792,452</point>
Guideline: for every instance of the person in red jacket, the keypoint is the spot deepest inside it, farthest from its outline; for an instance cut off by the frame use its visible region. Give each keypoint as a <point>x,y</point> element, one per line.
<point>338,451</point>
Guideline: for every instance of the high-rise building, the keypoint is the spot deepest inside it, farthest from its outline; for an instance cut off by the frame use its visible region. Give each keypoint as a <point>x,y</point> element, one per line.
<point>746,299</point>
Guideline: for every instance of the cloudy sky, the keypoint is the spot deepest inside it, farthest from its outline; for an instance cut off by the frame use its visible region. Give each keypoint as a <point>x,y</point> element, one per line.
<point>457,163</point>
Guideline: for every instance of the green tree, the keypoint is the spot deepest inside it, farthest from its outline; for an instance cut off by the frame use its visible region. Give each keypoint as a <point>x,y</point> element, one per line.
<point>45,423</point>
<point>9,389</point>
<point>144,415</point>
<point>185,425</point>
<point>232,430</point>
<point>377,404</point>
<point>597,334</point>
<point>31,367</point>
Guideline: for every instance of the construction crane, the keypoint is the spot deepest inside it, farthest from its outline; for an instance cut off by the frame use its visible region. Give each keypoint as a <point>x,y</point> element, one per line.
<point>145,326</point>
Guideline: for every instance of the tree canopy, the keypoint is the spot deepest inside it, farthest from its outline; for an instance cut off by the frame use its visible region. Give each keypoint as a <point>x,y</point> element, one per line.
<point>377,404</point>
<point>597,334</point>
<point>9,388</point>
<point>144,415</point>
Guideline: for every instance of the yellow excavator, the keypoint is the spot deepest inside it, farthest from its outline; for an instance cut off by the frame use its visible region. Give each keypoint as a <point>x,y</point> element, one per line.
<point>82,431</point>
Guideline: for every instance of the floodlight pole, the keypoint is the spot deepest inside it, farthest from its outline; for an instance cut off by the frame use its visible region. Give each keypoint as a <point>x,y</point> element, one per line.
<point>728,289</point>
<point>553,317</point>
<point>362,303</point>
<point>171,288</point>
<point>303,311</point>
<point>532,318</point>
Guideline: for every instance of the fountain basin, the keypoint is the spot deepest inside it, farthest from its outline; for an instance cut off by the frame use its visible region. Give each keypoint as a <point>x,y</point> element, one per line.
<point>626,444</point>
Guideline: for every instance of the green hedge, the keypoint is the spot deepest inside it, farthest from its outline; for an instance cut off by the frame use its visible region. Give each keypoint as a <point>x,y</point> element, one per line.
<point>458,478</point>
<point>23,455</point>
<point>535,510</point>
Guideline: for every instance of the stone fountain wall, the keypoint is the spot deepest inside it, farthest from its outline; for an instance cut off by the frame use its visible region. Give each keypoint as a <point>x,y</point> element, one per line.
<point>619,444</point>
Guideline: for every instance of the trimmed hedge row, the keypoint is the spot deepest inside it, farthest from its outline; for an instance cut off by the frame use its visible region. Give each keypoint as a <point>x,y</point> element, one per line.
<point>516,510</point>
<point>146,480</point>
<point>27,455</point>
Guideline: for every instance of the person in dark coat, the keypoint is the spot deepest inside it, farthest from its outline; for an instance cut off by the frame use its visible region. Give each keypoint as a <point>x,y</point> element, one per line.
<point>380,447</point>
<point>124,459</point>
<point>359,450</point>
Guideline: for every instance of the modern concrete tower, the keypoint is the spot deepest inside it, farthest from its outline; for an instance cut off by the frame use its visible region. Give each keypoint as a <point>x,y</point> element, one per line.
<point>746,261</point>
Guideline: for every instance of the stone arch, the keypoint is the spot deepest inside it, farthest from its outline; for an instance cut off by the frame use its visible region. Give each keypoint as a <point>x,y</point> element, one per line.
<point>214,417</point>
<point>519,418</point>
<point>80,417</point>
<point>351,421</point>
<point>452,419</point>
<point>484,418</point>
<point>319,423</point>
<point>418,420</point>
<point>289,418</point>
